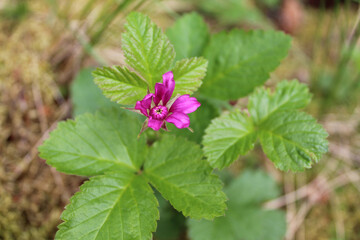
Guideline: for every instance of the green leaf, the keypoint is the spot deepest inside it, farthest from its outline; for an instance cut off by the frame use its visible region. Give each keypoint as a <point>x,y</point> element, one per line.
<point>171,223</point>
<point>85,95</point>
<point>227,137</point>
<point>200,120</point>
<point>189,35</point>
<point>176,169</point>
<point>288,95</point>
<point>252,188</point>
<point>112,206</point>
<point>269,3</point>
<point>94,144</point>
<point>244,219</point>
<point>120,85</point>
<point>234,11</point>
<point>293,140</point>
<point>188,74</point>
<point>239,61</point>
<point>147,49</point>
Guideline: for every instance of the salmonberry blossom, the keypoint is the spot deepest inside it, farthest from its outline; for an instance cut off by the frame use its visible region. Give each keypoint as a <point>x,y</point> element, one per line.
<point>159,108</point>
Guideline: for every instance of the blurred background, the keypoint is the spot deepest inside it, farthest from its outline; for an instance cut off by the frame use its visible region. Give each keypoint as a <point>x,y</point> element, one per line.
<point>48,46</point>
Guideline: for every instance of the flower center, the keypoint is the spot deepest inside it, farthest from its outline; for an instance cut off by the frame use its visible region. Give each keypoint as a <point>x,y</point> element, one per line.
<point>159,112</point>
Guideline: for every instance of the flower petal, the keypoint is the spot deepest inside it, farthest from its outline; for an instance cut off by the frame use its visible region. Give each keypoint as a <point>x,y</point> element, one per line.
<point>185,104</point>
<point>155,124</point>
<point>160,91</point>
<point>163,91</point>
<point>180,120</point>
<point>168,80</point>
<point>144,104</point>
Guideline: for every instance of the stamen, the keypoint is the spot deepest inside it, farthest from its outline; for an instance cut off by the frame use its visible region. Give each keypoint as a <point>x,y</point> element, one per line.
<point>159,112</point>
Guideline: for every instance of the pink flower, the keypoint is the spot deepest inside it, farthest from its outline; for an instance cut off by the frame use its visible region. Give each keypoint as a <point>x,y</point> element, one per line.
<point>159,108</point>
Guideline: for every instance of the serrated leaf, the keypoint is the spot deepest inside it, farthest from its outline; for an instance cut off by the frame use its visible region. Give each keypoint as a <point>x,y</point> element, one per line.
<point>85,95</point>
<point>176,169</point>
<point>293,140</point>
<point>288,95</point>
<point>244,219</point>
<point>171,223</point>
<point>94,144</point>
<point>112,206</point>
<point>120,85</point>
<point>227,137</point>
<point>189,35</point>
<point>188,74</point>
<point>200,120</point>
<point>146,48</point>
<point>239,61</point>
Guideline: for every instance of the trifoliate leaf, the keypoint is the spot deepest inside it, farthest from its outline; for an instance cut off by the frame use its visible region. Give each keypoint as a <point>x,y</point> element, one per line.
<point>287,96</point>
<point>188,74</point>
<point>239,61</point>
<point>244,219</point>
<point>292,140</point>
<point>94,144</point>
<point>147,49</point>
<point>176,169</point>
<point>120,85</point>
<point>85,95</point>
<point>189,35</point>
<point>200,120</point>
<point>227,137</point>
<point>112,206</point>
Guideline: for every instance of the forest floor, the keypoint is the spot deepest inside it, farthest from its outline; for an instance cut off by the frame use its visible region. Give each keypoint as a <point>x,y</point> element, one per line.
<point>35,73</point>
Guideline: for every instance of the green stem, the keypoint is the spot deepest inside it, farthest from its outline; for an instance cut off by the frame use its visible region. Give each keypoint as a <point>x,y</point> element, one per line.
<point>345,58</point>
<point>86,9</point>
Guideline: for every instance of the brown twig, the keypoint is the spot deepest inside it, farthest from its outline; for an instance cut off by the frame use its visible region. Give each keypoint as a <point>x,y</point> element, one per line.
<point>39,106</point>
<point>319,184</point>
<point>313,193</point>
<point>60,183</point>
<point>296,195</point>
<point>289,186</point>
<point>298,219</point>
<point>338,217</point>
<point>353,31</point>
